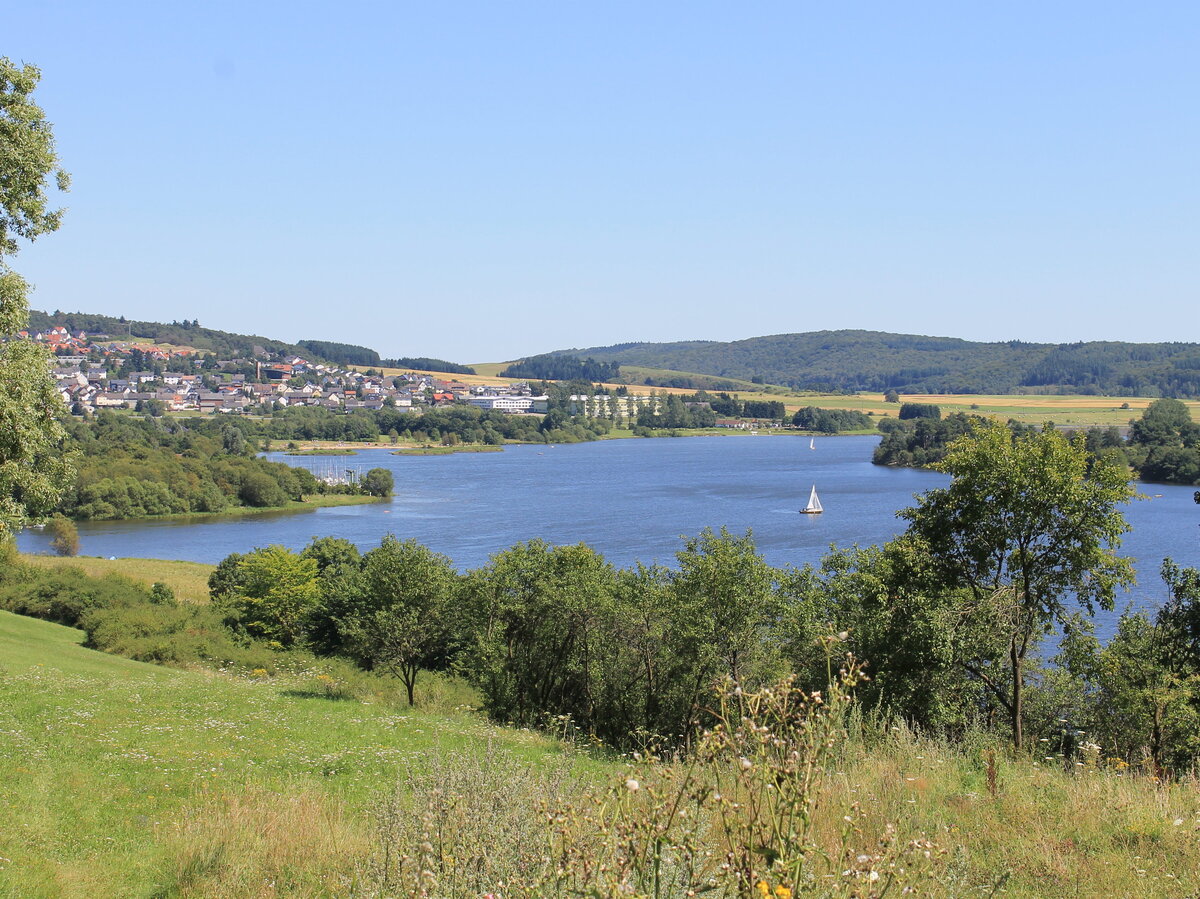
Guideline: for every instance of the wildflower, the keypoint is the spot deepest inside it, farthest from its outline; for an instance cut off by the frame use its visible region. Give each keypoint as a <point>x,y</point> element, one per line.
<point>762,888</point>
<point>632,785</point>
<point>746,764</point>
<point>782,892</point>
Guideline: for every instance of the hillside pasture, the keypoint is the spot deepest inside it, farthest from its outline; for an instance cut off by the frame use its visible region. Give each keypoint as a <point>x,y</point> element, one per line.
<point>189,580</point>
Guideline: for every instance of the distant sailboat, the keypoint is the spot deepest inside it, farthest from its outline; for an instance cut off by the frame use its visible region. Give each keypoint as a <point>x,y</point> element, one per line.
<point>812,442</point>
<point>814,504</point>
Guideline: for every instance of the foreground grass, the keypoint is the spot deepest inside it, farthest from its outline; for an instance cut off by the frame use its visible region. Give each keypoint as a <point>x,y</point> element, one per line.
<point>124,779</point>
<point>189,580</point>
<point>119,778</point>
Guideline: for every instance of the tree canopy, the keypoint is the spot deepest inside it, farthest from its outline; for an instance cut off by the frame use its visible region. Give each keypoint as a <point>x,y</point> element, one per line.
<point>1027,522</point>
<point>33,467</point>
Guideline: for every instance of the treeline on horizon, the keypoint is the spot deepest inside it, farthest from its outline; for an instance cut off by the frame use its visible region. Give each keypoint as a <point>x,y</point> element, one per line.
<point>562,368</point>
<point>228,345</point>
<point>224,344</point>
<point>849,361</point>
<point>341,353</point>
<point>844,361</point>
<point>1163,445</point>
<point>424,363</point>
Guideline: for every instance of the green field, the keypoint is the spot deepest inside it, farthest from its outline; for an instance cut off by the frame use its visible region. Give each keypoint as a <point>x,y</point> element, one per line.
<point>189,580</point>
<point>124,779</point>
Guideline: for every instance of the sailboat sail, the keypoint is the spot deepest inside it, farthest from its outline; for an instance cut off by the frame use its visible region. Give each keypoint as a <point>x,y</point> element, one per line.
<point>812,442</point>
<point>814,504</point>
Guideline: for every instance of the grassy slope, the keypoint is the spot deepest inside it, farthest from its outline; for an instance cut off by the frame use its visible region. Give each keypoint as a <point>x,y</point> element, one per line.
<point>110,769</point>
<point>124,779</point>
<point>189,580</point>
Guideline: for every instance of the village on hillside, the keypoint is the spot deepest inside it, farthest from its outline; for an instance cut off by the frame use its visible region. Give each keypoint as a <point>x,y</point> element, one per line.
<point>94,371</point>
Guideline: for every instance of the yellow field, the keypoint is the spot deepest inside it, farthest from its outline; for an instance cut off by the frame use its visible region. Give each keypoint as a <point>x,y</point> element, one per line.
<point>487,374</point>
<point>189,580</point>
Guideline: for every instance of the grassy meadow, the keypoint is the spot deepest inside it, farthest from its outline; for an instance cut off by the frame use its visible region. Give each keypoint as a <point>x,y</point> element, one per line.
<point>188,580</point>
<point>119,778</point>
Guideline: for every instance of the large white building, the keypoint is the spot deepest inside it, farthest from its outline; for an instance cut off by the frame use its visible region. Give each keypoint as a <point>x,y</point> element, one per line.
<point>535,404</point>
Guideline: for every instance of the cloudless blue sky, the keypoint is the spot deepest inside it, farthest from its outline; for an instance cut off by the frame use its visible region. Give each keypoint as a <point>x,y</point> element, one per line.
<point>478,181</point>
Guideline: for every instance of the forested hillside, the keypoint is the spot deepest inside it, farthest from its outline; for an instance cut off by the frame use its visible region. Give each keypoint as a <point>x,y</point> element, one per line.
<point>224,344</point>
<point>878,361</point>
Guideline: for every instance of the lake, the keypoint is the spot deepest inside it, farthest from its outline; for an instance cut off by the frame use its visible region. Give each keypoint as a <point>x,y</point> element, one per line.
<point>632,500</point>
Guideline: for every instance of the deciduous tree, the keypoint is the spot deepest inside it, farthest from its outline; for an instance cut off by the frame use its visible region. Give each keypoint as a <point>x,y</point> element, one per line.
<point>33,467</point>
<point>271,594</point>
<point>1023,527</point>
<point>398,621</point>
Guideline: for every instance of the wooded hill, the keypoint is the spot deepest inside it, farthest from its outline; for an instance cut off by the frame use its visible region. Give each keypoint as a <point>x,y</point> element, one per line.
<point>229,345</point>
<point>879,361</point>
<point>224,344</point>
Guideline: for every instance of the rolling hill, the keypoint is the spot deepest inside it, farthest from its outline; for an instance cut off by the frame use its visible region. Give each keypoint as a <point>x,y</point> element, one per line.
<point>879,361</point>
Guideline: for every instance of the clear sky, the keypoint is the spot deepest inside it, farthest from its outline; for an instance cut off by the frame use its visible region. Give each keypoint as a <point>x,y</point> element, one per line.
<point>479,181</point>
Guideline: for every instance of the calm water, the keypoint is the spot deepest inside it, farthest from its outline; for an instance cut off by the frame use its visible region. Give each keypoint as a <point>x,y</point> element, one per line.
<point>630,499</point>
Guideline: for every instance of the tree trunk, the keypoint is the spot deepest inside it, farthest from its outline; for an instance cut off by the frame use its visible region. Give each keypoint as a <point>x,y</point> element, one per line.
<point>1156,740</point>
<point>1016,659</point>
<point>410,684</point>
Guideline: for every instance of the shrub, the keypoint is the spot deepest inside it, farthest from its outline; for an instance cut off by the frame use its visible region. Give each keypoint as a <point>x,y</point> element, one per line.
<point>65,595</point>
<point>64,536</point>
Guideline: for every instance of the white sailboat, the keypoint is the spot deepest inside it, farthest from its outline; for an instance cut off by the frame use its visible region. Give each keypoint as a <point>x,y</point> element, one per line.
<point>814,504</point>
<point>812,442</point>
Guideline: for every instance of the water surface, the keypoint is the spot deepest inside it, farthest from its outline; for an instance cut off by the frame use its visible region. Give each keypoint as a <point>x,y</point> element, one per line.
<point>632,500</point>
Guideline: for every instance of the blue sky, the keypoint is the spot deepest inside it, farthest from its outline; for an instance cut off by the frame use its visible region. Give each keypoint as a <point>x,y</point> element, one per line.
<point>479,181</point>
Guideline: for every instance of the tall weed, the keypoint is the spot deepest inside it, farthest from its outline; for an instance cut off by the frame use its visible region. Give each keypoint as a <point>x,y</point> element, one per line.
<point>740,816</point>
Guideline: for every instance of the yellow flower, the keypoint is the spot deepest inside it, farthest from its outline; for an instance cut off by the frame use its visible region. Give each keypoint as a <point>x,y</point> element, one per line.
<point>783,892</point>
<point>763,888</point>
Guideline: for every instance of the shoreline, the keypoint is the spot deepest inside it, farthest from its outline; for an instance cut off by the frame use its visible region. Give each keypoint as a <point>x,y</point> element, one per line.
<point>317,501</point>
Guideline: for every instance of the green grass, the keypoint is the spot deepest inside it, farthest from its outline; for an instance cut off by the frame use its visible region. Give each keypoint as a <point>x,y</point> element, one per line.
<point>119,778</point>
<point>106,761</point>
<point>189,580</point>
<point>332,451</point>
<point>447,450</point>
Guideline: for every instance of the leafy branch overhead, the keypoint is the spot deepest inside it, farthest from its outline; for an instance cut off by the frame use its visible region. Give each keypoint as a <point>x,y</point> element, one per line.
<point>33,467</point>
<point>28,163</point>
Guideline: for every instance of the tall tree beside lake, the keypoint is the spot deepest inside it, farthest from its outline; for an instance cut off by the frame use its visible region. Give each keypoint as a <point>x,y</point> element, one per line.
<point>1023,525</point>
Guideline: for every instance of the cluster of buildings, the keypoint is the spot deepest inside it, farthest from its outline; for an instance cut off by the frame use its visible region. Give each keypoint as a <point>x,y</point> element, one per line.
<point>92,372</point>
